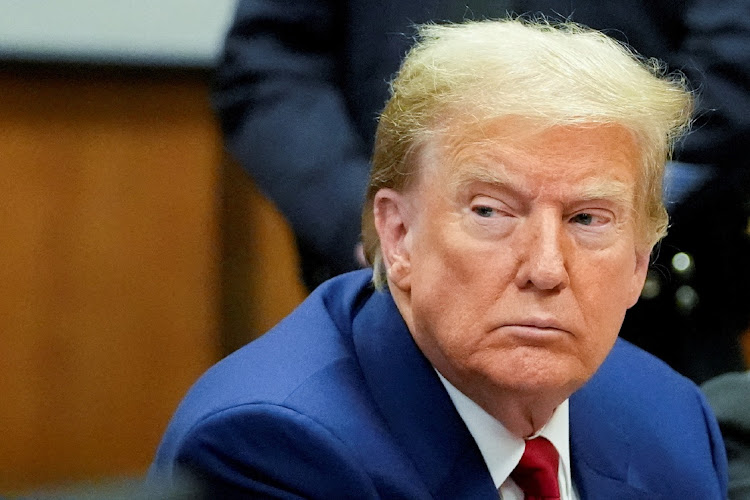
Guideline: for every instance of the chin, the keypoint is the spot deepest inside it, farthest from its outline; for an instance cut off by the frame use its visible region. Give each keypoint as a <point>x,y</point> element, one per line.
<point>557,380</point>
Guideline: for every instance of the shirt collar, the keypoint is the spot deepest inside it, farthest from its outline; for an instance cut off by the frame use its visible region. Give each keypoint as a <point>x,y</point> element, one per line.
<point>501,449</point>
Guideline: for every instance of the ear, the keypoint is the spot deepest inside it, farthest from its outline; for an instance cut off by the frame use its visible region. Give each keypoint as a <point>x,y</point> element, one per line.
<point>393,216</point>
<point>642,260</point>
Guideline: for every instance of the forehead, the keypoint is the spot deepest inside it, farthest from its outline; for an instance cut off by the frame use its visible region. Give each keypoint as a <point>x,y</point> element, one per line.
<point>589,160</point>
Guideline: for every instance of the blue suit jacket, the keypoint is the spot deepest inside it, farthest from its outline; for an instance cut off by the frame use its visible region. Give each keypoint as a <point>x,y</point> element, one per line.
<point>338,402</point>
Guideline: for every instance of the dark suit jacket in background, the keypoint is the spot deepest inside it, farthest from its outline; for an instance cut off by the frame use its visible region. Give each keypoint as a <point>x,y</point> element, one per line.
<point>338,402</point>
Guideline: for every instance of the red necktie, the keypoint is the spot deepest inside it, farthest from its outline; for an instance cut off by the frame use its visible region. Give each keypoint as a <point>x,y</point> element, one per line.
<point>536,473</point>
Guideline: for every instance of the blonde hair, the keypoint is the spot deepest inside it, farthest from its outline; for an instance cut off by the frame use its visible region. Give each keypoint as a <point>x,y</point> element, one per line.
<point>557,74</point>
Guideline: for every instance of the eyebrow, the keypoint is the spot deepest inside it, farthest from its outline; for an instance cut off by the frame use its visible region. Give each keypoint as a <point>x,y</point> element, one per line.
<point>607,190</point>
<point>472,173</point>
<point>614,190</point>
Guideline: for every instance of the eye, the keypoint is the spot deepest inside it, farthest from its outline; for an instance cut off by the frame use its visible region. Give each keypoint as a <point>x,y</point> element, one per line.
<point>489,217</point>
<point>483,211</point>
<point>594,219</point>
<point>585,219</point>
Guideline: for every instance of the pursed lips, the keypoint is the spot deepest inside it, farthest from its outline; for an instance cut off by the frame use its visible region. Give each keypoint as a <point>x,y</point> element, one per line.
<point>535,327</point>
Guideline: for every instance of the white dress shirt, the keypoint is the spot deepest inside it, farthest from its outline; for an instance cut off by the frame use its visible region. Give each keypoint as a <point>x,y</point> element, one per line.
<point>502,450</point>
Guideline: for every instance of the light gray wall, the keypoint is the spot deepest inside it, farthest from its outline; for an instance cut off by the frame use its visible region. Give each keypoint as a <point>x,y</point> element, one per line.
<point>162,32</point>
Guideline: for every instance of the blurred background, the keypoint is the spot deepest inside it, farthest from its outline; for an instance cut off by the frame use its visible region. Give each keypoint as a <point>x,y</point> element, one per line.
<point>132,251</point>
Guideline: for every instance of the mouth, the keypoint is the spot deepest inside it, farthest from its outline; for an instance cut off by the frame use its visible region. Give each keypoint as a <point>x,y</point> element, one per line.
<point>542,323</point>
<point>535,330</point>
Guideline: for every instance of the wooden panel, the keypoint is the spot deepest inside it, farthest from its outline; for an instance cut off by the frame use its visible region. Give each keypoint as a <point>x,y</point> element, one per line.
<point>260,277</point>
<point>109,267</point>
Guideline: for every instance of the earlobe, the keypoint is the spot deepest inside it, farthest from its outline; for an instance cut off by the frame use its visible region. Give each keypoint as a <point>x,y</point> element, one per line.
<point>392,221</point>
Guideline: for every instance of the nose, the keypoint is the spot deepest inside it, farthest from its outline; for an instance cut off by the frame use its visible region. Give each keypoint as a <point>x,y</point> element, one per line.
<point>542,263</point>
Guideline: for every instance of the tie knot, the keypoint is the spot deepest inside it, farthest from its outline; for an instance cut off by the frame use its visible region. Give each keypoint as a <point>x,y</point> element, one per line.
<point>536,473</point>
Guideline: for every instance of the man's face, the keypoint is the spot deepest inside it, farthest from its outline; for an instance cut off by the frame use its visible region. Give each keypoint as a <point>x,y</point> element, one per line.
<point>517,257</point>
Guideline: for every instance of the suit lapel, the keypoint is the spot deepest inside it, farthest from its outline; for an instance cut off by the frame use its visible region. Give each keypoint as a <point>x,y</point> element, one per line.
<point>599,468</point>
<point>599,444</point>
<point>415,405</point>
<point>593,485</point>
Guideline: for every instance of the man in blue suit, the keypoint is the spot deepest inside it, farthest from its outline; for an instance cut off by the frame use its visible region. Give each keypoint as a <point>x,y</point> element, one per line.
<point>512,207</point>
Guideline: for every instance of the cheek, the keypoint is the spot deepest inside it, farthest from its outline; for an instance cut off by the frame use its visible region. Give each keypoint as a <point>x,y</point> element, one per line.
<point>439,265</point>
<point>451,293</point>
<point>446,247</point>
<point>455,280</point>
<point>604,294</point>
<point>607,276</point>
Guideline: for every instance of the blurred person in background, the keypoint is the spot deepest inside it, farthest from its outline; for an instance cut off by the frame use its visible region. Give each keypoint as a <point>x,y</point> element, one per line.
<point>298,91</point>
<point>729,396</point>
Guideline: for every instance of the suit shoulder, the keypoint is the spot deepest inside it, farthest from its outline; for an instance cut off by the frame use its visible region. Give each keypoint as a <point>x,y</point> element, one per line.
<point>313,341</point>
<point>267,450</point>
<point>636,381</point>
<point>653,415</point>
<point>315,335</point>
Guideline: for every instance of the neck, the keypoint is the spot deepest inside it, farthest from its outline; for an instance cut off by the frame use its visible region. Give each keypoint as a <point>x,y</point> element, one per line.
<point>523,415</point>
